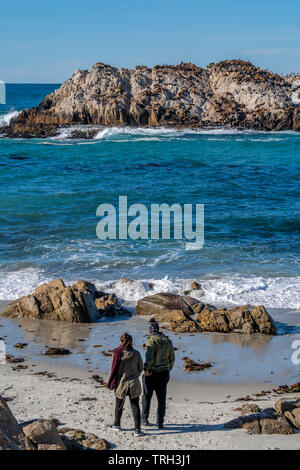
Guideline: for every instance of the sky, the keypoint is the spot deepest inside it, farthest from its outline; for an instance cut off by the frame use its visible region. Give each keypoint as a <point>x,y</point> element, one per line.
<point>46,41</point>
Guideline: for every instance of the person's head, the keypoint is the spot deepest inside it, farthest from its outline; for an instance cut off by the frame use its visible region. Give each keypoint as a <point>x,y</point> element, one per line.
<point>153,326</point>
<point>126,341</point>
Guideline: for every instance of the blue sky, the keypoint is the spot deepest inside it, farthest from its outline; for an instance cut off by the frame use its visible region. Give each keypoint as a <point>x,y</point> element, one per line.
<point>45,41</point>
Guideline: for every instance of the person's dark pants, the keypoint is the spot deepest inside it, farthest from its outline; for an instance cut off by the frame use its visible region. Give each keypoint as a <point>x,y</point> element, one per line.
<point>156,382</point>
<point>135,406</point>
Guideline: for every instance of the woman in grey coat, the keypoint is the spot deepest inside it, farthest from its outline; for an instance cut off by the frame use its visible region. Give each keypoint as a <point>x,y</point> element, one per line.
<point>127,366</point>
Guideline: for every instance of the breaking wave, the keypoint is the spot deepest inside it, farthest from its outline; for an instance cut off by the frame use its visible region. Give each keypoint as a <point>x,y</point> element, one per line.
<point>280,292</point>
<point>277,292</point>
<point>6,118</point>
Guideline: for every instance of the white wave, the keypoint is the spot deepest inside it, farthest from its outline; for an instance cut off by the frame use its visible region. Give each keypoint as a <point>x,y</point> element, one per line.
<point>111,132</point>
<point>127,134</point>
<point>281,292</point>
<point>6,118</point>
<point>14,284</point>
<point>277,292</point>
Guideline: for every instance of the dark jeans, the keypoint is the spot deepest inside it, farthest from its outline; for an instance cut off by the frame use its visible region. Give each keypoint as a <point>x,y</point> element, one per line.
<point>156,382</point>
<point>135,406</point>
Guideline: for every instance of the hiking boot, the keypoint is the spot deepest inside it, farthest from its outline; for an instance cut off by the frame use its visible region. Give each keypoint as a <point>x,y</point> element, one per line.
<point>160,426</point>
<point>138,433</point>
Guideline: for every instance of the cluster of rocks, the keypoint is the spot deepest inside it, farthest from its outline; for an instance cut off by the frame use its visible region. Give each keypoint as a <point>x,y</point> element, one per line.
<point>231,93</point>
<point>79,303</point>
<point>83,303</point>
<point>185,314</point>
<point>43,434</point>
<point>283,419</point>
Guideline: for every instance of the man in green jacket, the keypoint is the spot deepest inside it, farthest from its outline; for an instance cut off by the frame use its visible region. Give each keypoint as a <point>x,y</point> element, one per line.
<point>160,359</point>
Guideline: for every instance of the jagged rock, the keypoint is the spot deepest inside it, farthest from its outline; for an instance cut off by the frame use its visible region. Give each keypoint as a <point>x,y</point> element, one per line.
<point>76,439</point>
<point>280,425</point>
<point>43,432</point>
<point>213,320</point>
<point>266,422</point>
<point>249,408</point>
<point>109,305</point>
<point>252,427</point>
<point>79,303</point>
<point>11,434</point>
<point>172,309</point>
<point>177,310</point>
<point>232,93</point>
<point>181,323</point>
<point>293,417</point>
<point>290,410</point>
<point>244,319</point>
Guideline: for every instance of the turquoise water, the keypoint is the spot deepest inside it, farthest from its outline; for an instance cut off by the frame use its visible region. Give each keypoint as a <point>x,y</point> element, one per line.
<point>249,182</point>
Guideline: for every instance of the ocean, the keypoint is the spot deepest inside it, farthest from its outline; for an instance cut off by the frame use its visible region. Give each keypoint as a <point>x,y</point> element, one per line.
<point>248,182</point>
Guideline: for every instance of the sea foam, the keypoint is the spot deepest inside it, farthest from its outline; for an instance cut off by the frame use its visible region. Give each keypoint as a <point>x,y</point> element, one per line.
<point>6,118</point>
<point>277,292</point>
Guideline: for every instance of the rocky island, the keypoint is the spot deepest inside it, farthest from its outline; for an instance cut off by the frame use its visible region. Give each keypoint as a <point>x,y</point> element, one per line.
<point>231,93</point>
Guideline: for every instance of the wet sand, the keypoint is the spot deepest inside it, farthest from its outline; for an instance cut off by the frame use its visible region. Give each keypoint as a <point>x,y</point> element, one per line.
<point>237,358</point>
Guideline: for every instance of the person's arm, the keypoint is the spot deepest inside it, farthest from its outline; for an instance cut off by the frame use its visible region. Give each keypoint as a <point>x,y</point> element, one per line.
<point>149,356</point>
<point>171,356</point>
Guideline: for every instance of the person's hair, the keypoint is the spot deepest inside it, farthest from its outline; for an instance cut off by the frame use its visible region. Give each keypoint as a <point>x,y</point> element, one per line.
<point>126,341</point>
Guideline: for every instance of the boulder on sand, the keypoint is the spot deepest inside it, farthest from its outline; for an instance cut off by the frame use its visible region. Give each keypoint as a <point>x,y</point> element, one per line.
<point>79,303</point>
<point>181,323</point>
<point>245,319</point>
<point>266,422</point>
<point>43,432</point>
<point>160,305</point>
<point>177,310</point>
<point>171,308</point>
<point>11,434</point>
<point>109,305</point>
<point>76,439</point>
<point>290,410</point>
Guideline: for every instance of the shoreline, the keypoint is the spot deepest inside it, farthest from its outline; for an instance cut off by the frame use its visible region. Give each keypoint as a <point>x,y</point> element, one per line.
<point>89,132</point>
<point>237,359</point>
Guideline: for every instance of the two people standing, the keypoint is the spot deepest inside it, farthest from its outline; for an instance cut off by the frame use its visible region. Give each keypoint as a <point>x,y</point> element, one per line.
<point>127,366</point>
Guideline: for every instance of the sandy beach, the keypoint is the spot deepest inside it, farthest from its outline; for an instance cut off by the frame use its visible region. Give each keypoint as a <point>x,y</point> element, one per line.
<point>198,403</point>
<point>195,413</point>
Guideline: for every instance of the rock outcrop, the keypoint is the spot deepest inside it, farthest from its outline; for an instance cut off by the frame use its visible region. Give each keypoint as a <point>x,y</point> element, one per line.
<point>185,314</point>
<point>290,410</point>
<point>176,310</point>
<point>245,319</point>
<point>79,303</point>
<point>231,93</point>
<point>43,435</point>
<point>284,419</point>
<point>11,434</point>
<point>76,439</point>
<point>160,305</point>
